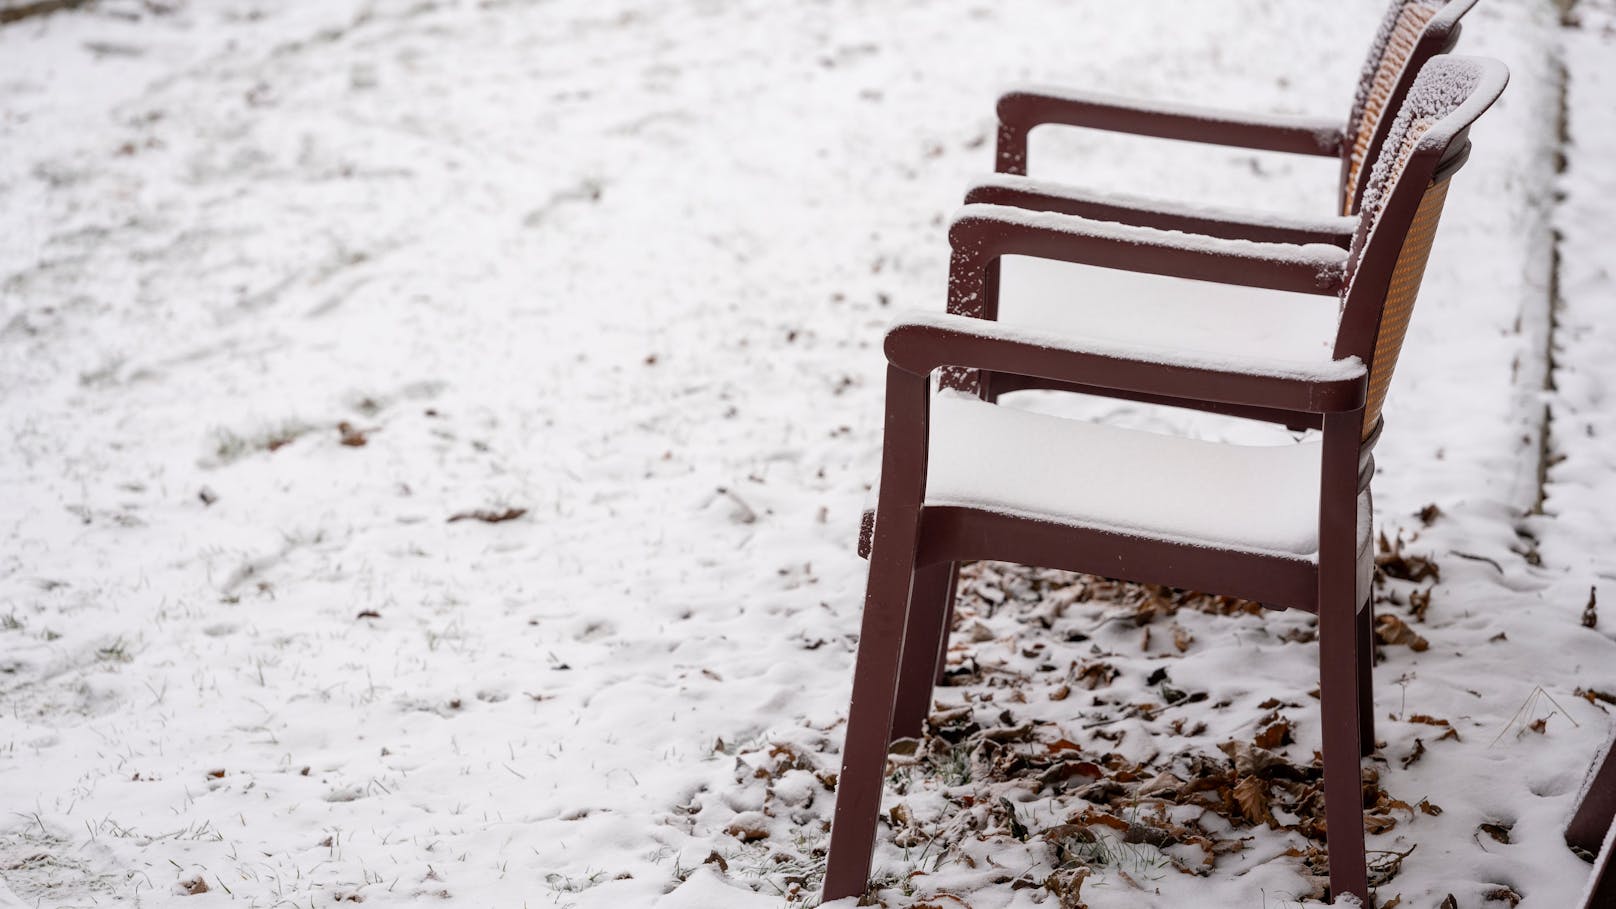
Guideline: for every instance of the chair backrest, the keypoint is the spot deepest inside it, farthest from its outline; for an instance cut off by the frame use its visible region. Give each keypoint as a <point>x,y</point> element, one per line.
<point>1426,144</point>
<point>1413,32</point>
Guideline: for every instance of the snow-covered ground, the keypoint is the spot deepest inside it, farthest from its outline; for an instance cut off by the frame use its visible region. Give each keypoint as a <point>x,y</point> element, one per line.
<point>287,288</point>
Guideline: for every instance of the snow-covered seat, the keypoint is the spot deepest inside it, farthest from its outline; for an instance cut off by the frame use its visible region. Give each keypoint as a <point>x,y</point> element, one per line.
<point>1249,326</point>
<point>1261,498</point>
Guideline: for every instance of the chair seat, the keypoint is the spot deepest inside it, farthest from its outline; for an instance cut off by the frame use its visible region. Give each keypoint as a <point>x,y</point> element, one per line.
<point>1237,325</point>
<point>1253,498</point>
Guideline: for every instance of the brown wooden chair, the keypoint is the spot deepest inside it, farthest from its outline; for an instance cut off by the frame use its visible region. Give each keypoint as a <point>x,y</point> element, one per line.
<point>1412,32</point>
<point>963,478</point>
<point>1592,833</point>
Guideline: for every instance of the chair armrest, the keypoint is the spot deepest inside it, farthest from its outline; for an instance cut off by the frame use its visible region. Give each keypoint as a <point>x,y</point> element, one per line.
<point>922,342</point>
<point>1025,107</point>
<point>981,234</point>
<point>1230,224</point>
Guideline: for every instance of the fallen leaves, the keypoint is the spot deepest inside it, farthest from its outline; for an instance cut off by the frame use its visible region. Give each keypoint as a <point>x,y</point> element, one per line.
<point>1503,894</point>
<point>1390,629</point>
<point>488,515</point>
<point>1392,562</point>
<point>748,826</point>
<point>1428,720</point>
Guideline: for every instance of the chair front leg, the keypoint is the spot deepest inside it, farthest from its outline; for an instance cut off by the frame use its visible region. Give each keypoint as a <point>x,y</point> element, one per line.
<point>1339,666</point>
<point>1366,676</point>
<point>925,638</point>
<point>1597,807</point>
<point>886,602</point>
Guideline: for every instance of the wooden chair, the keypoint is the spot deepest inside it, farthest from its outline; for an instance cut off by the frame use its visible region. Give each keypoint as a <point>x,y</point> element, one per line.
<point>963,478</point>
<point>1412,32</point>
<point>1592,833</point>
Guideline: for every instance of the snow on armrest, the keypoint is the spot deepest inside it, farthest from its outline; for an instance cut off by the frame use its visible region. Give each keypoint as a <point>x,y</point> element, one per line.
<point>1024,107</point>
<point>984,232</point>
<point>1212,221</point>
<point>921,342</point>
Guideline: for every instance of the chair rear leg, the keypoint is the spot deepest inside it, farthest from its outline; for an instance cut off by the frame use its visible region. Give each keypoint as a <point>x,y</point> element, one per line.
<point>1366,676</point>
<point>875,677</point>
<point>925,636</point>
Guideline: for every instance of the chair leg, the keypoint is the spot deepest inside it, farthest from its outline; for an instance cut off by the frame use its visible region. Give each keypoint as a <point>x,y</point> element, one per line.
<point>924,637</point>
<point>1339,666</point>
<point>948,624</point>
<point>1343,774</point>
<point>1366,676</point>
<point>1598,805</point>
<point>875,677</point>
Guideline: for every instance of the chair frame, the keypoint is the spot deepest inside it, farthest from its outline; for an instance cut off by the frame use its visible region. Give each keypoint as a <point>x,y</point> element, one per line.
<point>914,548</point>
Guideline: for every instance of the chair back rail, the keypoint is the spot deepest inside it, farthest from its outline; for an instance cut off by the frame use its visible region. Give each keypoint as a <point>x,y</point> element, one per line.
<point>1412,32</point>
<point>1402,205</point>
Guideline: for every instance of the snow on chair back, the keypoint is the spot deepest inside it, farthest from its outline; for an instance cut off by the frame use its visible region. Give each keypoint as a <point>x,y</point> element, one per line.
<point>1401,207</point>
<point>1408,25</point>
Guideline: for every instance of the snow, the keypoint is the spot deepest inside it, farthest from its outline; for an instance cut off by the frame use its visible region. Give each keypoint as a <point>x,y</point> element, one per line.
<point>627,266</point>
<point>1262,499</point>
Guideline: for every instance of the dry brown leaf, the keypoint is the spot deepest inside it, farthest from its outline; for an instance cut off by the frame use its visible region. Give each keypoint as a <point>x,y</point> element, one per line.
<point>1378,823</point>
<point>488,516</point>
<point>1503,893</point>
<point>1251,794</point>
<point>1091,816</point>
<point>1066,885</point>
<point>1275,734</point>
<point>1182,639</point>
<point>1414,756</point>
<point>1095,674</point>
<point>1390,629</point>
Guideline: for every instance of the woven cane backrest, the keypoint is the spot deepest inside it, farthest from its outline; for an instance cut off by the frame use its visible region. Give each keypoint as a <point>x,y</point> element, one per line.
<point>1432,104</point>
<point>1393,48</point>
<point>1400,296</point>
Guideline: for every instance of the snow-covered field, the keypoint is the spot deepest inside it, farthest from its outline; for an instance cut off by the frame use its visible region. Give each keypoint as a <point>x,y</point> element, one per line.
<point>287,288</point>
